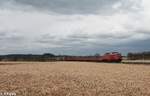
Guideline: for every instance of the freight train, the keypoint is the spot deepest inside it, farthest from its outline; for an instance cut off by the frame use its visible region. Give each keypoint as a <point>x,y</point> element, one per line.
<point>107,57</point>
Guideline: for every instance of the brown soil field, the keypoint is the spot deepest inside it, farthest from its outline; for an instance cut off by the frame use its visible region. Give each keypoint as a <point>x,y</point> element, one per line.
<point>74,79</point>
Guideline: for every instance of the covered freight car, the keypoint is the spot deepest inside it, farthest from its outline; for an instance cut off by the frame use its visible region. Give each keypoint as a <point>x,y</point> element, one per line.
<point>108,57</point>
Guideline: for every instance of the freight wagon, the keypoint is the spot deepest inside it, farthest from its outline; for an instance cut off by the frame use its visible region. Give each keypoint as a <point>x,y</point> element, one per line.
<point>108,57</point>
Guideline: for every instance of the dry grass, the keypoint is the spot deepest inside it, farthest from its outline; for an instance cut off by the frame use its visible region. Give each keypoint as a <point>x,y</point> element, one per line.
<point>74,79</point>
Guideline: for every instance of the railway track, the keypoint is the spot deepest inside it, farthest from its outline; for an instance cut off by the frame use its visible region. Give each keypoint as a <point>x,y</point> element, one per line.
<point>136,62</point>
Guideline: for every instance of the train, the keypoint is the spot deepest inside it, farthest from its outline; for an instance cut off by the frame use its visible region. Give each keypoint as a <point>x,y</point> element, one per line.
<point>107,57</point>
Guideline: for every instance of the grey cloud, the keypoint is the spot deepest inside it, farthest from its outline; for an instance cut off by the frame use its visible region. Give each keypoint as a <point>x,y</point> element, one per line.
<point>146,32</point>
<point>135,46</point>
<point>2,35</point>
<point>112,36</point>
<point>74,6</point>
<point>79,40</point>
<point>64,42</point>
<point>82,41</point>
<point>7,37</point>
<point>130,5</point>
<point>63,30</point>
<point>69,6</point>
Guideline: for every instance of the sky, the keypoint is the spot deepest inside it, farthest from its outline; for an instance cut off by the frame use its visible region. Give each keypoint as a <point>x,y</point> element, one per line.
<point>74,27</point>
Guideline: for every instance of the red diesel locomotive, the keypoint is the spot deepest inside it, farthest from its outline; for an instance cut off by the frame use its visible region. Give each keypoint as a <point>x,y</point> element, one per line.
<point>108,57</point>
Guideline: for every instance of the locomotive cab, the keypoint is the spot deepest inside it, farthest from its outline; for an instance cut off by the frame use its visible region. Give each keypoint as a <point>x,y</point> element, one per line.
<point>112,57</point>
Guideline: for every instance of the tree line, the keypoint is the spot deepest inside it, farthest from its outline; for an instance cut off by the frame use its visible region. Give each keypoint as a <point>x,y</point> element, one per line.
<point>139,56</point>
<point>28,57</point>
<point>33,57</point>
<point>52,57</point>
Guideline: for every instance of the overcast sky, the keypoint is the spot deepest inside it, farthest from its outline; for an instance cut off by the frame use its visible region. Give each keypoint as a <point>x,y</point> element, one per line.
<point>75,27</point>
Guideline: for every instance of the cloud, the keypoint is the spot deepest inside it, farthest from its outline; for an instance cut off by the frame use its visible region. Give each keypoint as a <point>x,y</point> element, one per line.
<point>72,26</point>
<point>69,6</point>
<point>74,6</point>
